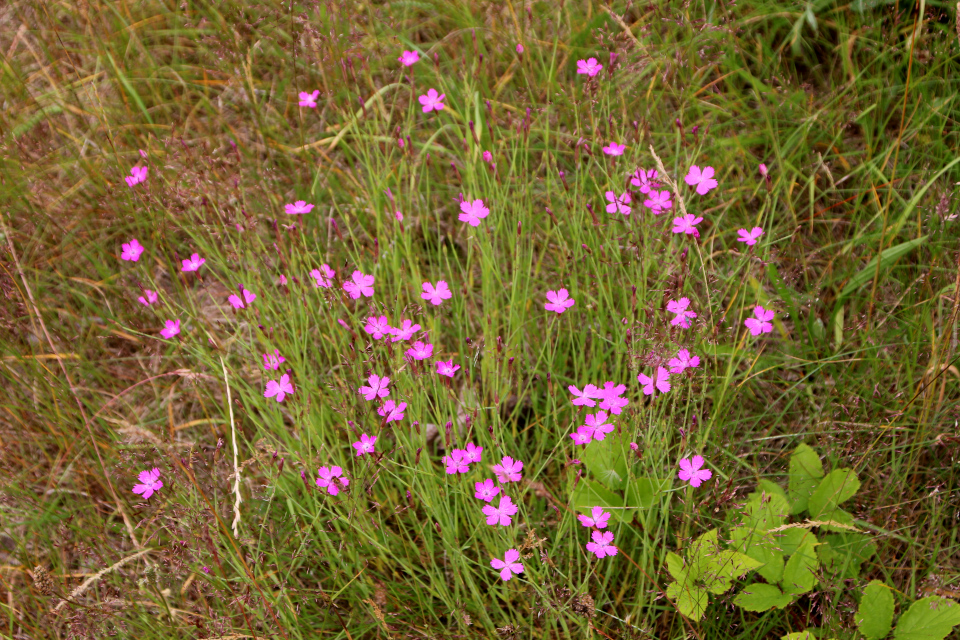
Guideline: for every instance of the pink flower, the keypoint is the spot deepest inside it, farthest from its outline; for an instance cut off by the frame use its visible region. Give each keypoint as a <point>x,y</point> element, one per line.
<point>582,436</point>
<point>149,483</point>
<point>431,101</point>
<point>602,544</point>
<point>248,297</point>
<point>614,149</point>
<point>596,422</point>
<point>435,295</point>
<point>687,224</point>
<point>404,332</point>
<point>330,477</point>
<point>447,368</point>
<point>692,470</point>
<point>750,237</point>
<point>377,327</point>
<point>508,470</point>
<point>585,398</point>
<point>485,490</point>
<point>148,297</point>
<point>660,382</point>
<point>408,58</point>
<point>172,328</point>
<point>143,154</point>
<point>361,285</point>
<point>308,100</point>
<point>298,207</point>
<point>193,263</point>
<point>763,170</point>
<point>272,361</point>
<point>590,67</point>
<point>391,411</point>
<point>599,518</point>
<point>703,180</point>
<point>377,389</point>
<point>456,462</point>
<point>658,202</point>
<point>398,216</point>
<point>645,180</point>
<point>509,566</point>
<point>420,351</point>
<point>283,279</point>
<point>683,315</point>
<point>558,301</point>
<point>634,446</point>
<point>137,175</point>
<point>323,277</point>
<point>365,444</point>
<point>501,514</point>
<point>474,453</point>
<point>131,250</point>
<point>473,212</point>
<point>279,389</point>
<point>519,48</point>
<point>611,400</point>
<point>618,205</point>
<point>761,323</point>
<point>487,157</point>
<point>683,361</point>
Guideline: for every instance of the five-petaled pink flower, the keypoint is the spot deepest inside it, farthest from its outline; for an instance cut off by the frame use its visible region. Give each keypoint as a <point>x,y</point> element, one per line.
<point>447,368</point>
<point>486,491</point>
<point>597,423</point>
<point>456,462</point>
<point>365,444</point>
<point>660,382</point>
<point>435,295</point>
<point>683,361</point>
<point>598,518</point>
<point>377,327</point>
<point>474,453</point>
<point>148,297</point>
<point>508,470</point>
<point>149,483</point>
<point>377,389</point>
<point>761,323</point>
<point>645,180</point>
<point>618,204</point>
<point>602,544</point>
<point>610,397</point>
<point>473,212</point>
<point>509,566</point>
<point>420,351</point>
<point>392,411</point>
<point>330,478</point>
<point>308,100</point>
<point>248,297</point>
<point>131,250</point>
<point>590,67</point>
<point>408,58</point>
<point>137,175</point>
<point>687,224</point>
<point>693,471</point>
<point>272,361</point>
<point>658,201</point>
<point>750,237</point>
<point>501,514</point>
<point>683,314</point>
<point>702,179</point>
<point>280,389</point>
<point>171,329</point>
<point>404,332</point>
<point>298,207</point>
<point>193,263</point>
<point>323,277</point>
<point>431,101</point>
<point>585,398</point>
<point>558,301</point>
<point>614,149</point>
<point>359,285</point>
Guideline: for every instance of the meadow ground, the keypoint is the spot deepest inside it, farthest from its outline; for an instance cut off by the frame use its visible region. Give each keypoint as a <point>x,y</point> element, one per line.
<point>817,381</point>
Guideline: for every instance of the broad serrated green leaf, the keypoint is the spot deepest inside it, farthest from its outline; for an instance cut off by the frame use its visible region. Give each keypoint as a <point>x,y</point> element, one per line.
<point>790,540</point>
<point>761,597</point>
<point>731,564</point>
<point>675,567</point>
<point>763,548</point>
<point>606,462</point>
<point>838,486</point>
<point>691,601</point>
<point>799,574</point>
<point>875,613</point>
<point>799,635</point>
<point>805,473</point>
<point>839,516</point>
<point>928,619</point>
<point>589,494</point>
<point>843,553</point>
<point>772,488</point>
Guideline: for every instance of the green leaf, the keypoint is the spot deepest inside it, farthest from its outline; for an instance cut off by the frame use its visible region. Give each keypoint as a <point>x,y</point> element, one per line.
<point>772,488</point>
<point>691,601</point>
<point>763,548</point>
<point>875,613</point>
<point>839,485</point>
<point>928,619</point>
<point>843,553</point>
<point>761,597</point>
<point>805,473</point>
<point>675,567</point>
<point>590,493</point>
<point>799,635</point>
<point>799,573</point>
<point>791,539</point>
<point>723,567</point>
<point>887,258</point>
<point>644,492</point>
<point>606,461</point>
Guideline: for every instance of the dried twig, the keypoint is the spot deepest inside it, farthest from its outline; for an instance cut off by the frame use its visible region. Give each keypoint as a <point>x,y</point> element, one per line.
<point>236,466</point>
